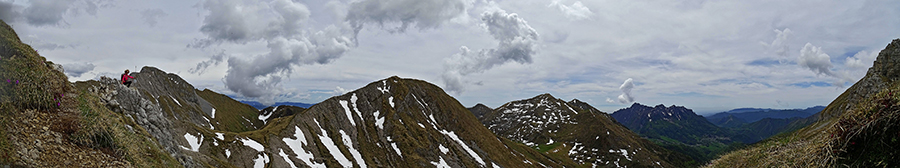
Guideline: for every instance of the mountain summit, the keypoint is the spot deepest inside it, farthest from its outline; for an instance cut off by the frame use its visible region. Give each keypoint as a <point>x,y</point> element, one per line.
<point>577,131</point>
<point>680,129</point>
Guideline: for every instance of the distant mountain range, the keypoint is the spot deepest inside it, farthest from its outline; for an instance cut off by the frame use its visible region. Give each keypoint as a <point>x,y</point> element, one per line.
<point>740,116</point>
<point>260,106</point>
<point>680,129</point>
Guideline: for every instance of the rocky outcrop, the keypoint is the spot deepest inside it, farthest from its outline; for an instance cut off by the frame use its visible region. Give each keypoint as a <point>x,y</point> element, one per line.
<point>147,114</point>
<point>886,69</point>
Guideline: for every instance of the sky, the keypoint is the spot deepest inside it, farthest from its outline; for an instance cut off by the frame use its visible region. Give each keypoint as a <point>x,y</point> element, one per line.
<point>709,56</point>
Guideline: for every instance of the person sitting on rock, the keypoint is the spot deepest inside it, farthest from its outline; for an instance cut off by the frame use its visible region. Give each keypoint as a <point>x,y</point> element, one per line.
<point>125,79</point>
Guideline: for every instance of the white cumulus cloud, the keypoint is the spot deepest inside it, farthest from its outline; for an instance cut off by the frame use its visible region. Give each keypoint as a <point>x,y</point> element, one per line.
<point>577,11</point>
<point>626,96</point>
<point>517,43</point>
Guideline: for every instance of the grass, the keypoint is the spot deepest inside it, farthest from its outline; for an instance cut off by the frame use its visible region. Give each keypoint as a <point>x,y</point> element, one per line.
<point>28,81</point>
<point>545,148</point>
<point>6,149</point>
<point>106,131</point>
<point>230,113</point>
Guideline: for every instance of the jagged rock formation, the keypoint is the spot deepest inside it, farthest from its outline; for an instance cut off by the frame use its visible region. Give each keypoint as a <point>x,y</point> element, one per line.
<point>680,129</point>
<point>145,113</point>
<point>576,130</point>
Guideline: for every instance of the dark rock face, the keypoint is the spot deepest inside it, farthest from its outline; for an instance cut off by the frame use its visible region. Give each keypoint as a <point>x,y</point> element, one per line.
<point>479,110</point>
<point>144,112</point>
<point>269,113</point>
<point>885,70</point>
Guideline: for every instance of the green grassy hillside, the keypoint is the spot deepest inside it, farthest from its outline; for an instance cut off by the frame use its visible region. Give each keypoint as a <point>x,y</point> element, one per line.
<point>48,123</point>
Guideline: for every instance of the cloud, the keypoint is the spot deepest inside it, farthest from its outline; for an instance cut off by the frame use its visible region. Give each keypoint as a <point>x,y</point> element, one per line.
<point>214,60</point>
<point>575,12</point>
<point>861,60</point>
<point>77,69</point>
<point>280,25</point>
<point>517,43</point>
<point>151,15</point>
<point>339,91</point>
<point>625,97</point>
<point>8,11</point>
<point>780,45</point>
<point>814,59</point>
<point>49,12</point>
<point>424,14</point>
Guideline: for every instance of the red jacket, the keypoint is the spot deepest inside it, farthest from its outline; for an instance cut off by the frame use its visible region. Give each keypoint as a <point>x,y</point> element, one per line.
<point>125,78</point>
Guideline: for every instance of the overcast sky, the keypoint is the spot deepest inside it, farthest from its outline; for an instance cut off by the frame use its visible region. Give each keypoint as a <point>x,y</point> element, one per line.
<point>706,55</point>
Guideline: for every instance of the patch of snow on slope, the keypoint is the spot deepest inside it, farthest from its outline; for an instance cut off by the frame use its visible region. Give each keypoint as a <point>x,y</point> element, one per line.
<point>453,136</point>
<point>176,100</point>
<point>220,135</point>
<point>391,100</point>
<point>264,117</point>
<point>356,110</point>
<point>296,146</point>
<point>286,158</point>
<point>570,108</point>
<point>227,153</point>
<point>252,144</point>
<point>349,144</point>
<point>384,89</point>
<point>441,163</point>
<point>260,162</point>
<point>193,141</point>
<point>443,149</point>
<point>396,149</point>
<point>347,111</point>
<point>379,121</point>
<point>623,151</point>
<point>333,148</point>
<point>494,164</point>
<point>213,115</point>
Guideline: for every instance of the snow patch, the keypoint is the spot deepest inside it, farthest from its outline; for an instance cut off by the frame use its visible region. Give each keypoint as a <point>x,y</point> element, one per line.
<point>391,100</point>
<point>347,111</point>
<point>265,117</point>
<point>396,149</point>
<point>623,151</point>
<point>252,144</point>
<point>193,141</point>
<point>220,135</point>
<point>227,153</point>
<point>176,100</point>
<point>355,110</point>
<point>349,144</point>
<point>260,162</point>
<point>441,163</point>
<point>332,148</point>
<point>286,158</point>
<point>296,146</point>
<point>464,145</point>
<point>379,121</point>
<point>443,149</point>
<point>213,115</point>
<point>551,142</point>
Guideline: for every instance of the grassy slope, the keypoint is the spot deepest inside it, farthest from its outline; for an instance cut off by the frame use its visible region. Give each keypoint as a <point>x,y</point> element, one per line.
<point>229,113</point>
<point>821,144</point>
<point>78,113</point>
